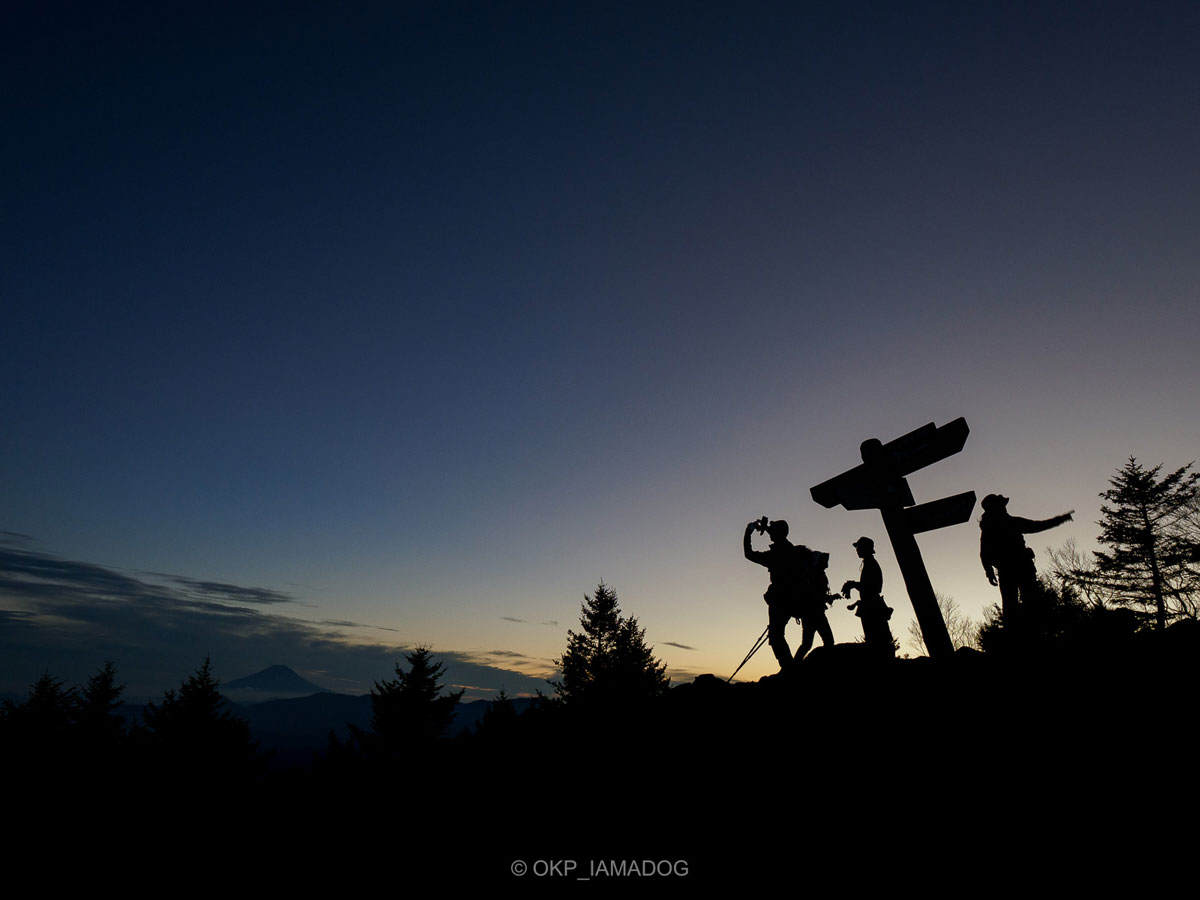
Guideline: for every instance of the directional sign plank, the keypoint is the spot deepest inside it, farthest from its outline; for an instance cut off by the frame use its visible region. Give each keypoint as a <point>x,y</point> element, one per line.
<point>873,495</point>
<point>869,487</point>
<point>940,513</point>
<point>927,445</point>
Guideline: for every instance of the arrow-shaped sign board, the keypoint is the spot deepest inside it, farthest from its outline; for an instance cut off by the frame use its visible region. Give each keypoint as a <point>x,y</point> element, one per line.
<point>940,513</point>
<point>880,482</point>
<point>927,445</point>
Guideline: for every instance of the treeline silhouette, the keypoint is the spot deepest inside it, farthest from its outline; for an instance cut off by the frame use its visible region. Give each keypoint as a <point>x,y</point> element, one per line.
<point>847,753</point>
<point>1034,754</point>
<point>75,737</point>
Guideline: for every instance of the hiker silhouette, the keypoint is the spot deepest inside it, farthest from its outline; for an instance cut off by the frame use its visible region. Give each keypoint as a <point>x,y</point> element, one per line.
<point>870,606</point>
<point>1006,560</point>
<point>798,589</point>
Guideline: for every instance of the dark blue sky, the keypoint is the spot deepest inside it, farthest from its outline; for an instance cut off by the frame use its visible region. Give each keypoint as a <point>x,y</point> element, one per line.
<point>430,316</point>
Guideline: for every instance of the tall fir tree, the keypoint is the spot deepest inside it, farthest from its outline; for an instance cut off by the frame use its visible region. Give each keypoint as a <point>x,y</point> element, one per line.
<point>409,712</point>
<point>499,718</point>
<point>98,704</point>
<point>608,660</point>
<point>101,729</point>
<point>1148,523</point>
<point>40,729</point>
<point>194,733</point>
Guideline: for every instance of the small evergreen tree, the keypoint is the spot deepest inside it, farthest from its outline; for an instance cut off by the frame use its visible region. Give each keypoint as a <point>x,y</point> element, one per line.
<point>409,711</point>
<point>608,660</point>
<point>97,709</point>
<point>193,731</point>
<point>499,718</point>
<point>50,708</point>
<point>40,729</point>
<point>1153,554</point>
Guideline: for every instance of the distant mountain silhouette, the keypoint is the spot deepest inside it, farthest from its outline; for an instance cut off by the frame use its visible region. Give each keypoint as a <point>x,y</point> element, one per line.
<point>293,729</point>
<point>272,683</point>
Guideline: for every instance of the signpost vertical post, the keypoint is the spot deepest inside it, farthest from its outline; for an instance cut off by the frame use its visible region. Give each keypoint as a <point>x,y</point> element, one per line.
<point>879,483</point>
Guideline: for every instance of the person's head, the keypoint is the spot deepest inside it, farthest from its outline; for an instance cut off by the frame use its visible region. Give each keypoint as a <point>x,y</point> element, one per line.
<point>778,530</point>
<point>994,503</point>
<point>865,547</point>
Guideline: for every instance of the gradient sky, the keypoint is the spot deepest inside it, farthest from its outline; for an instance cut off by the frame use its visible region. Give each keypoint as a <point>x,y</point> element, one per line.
<point>328,332</point>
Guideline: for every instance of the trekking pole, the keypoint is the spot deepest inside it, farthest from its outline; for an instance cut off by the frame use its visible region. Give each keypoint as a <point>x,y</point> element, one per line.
<point>762,639</point>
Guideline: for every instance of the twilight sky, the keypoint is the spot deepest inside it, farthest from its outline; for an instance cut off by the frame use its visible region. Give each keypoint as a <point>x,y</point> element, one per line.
<point>331,331</point>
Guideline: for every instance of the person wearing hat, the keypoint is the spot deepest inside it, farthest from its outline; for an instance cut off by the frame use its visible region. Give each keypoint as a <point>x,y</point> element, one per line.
<point>797,573</point>
<point>870,606</point>
<point>1007,562</point>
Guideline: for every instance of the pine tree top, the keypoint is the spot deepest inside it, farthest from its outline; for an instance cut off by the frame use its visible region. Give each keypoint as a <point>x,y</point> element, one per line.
<point>411,707</point>
<point>608,660</point>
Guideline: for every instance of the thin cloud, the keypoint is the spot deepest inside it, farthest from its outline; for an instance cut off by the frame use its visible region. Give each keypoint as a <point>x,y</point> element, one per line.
<point>512,619</point>
<point>232,592</point>
<point>35,576</point>
<point>68,617</point>
<point>680,646</point>
<point>530,671</point>
<point>345,623</point>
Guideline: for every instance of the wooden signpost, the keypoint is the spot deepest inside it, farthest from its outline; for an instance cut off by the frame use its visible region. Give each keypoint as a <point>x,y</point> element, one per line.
<point>879,483</point>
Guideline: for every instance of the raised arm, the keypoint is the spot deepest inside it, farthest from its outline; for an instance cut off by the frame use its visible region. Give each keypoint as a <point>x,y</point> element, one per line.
<point>1033,526</point>
<point>753,555</point>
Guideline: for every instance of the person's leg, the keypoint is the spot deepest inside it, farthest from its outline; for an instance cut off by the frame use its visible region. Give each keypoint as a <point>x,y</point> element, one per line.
<point>879,635</point>
<point>807,633</point>
<point>824,630</point>
<point>776,624</point>
<point>1008,600</point>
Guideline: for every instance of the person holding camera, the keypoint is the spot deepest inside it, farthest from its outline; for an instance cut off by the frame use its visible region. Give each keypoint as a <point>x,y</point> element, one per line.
<point>794,590</point>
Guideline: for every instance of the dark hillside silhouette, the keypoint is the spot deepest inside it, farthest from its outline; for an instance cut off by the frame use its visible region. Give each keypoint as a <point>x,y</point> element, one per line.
<point>892,752</point>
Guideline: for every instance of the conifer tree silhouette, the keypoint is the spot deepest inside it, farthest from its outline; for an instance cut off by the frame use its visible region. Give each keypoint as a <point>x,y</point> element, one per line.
<point>608,660</point>
<point>409,712</point>
<point>1149,525</point>
<point>97,708</point>
<point>500,717</point>
<point>193,731</point>
<point>39,730</point>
